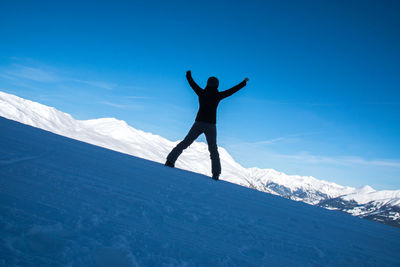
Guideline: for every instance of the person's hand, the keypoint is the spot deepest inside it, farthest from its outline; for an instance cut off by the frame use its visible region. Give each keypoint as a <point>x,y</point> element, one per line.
<point>188,73</point>
<point>246,79</point>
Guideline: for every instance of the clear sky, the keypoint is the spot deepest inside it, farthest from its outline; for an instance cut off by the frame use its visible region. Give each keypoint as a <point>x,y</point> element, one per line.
<point>323,97</point>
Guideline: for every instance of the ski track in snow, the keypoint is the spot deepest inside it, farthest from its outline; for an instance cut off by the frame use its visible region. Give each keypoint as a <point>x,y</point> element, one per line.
<point>75,204</point>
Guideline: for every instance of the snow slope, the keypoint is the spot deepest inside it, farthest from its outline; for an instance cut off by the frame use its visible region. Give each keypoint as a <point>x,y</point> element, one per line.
<point>118,135</point>
<point>367,194</point>
<point>65,202</point>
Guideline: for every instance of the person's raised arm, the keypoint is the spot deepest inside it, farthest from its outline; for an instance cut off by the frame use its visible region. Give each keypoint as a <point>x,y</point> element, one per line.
<point>234,89</point>
<point>197,89</point>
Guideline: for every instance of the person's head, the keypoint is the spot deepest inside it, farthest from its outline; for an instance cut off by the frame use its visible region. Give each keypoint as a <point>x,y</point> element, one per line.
<point>212,83</point>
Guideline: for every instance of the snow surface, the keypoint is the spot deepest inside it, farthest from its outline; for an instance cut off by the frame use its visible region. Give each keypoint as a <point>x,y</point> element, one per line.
<point>69,203</point>
<point>383,196</point>
<point>118,135</point>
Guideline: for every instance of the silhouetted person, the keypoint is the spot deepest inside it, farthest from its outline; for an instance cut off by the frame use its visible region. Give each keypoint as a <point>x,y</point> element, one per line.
<point>209,98</point>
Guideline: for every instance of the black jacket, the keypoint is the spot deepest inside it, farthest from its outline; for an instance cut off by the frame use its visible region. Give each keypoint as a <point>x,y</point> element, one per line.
<point>209,99</point>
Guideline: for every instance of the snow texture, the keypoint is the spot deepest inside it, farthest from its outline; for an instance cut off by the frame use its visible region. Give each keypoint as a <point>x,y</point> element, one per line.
<point>68,203</point>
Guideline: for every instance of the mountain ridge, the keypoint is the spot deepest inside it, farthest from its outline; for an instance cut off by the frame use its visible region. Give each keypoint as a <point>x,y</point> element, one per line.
<point>118,135</point>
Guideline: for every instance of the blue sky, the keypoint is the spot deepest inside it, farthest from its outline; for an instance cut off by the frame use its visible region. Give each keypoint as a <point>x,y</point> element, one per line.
<point>323,97</point>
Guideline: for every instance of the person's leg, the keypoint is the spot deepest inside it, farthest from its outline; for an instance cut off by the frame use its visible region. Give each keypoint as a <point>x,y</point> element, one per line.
<point>194,132</point>
<point>211,136</point>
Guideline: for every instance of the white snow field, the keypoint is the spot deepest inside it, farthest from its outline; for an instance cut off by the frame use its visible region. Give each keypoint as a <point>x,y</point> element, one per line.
<point>119,136</point>
<point>64,202</point>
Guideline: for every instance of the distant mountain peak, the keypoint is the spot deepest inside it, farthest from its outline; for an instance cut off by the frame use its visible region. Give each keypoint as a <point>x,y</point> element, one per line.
<point>366,189</point>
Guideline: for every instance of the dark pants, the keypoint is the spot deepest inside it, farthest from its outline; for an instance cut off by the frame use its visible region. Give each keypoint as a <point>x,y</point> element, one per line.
<point>210,131</point>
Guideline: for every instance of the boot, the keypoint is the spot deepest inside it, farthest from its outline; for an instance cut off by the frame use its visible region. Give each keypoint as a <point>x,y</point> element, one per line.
<point>169,164</point>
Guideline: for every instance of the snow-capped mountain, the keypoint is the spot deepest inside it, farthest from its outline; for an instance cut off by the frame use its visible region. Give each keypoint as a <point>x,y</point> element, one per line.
<point>365,202</point>
<point>117,135</point>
